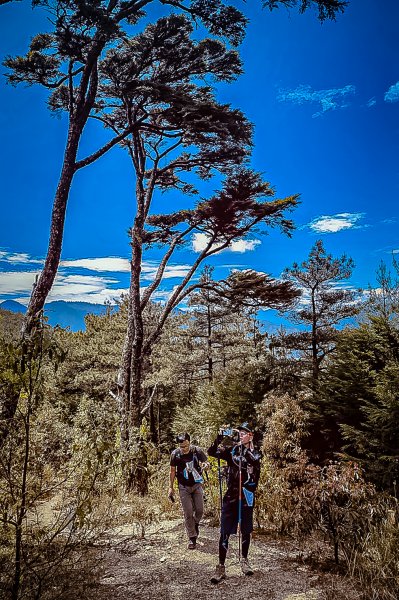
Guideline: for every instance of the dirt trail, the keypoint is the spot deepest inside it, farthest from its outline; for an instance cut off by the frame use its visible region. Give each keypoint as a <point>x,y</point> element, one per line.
<point>161,567</point>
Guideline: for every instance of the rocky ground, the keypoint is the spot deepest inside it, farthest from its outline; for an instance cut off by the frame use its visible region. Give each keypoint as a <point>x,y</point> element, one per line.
<point>160,567</point>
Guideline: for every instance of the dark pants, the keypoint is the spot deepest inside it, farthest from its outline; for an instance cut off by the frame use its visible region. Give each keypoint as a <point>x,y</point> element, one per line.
<point>229,526</point>
<point>230,517</point>
<point>224,544</point>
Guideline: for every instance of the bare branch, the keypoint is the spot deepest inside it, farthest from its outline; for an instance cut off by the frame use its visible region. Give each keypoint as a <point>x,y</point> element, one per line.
<point>90,159</point>
<point>106,122</point>
<point>147,406</point>
<point>171,303</point>
<point>63,79</point>
<point>158,277</point>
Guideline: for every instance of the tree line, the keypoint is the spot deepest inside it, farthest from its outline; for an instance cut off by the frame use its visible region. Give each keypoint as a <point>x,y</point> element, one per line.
<point>213,364</point>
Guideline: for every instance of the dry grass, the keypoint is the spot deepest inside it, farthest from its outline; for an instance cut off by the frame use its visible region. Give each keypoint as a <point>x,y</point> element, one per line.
<point>375,564</point>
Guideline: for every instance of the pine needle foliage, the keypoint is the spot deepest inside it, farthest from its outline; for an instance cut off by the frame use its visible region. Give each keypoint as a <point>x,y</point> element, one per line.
<point>360,399</point>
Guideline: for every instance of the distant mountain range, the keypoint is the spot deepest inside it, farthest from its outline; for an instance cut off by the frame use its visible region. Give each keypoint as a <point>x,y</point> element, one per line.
<point>64,314</point>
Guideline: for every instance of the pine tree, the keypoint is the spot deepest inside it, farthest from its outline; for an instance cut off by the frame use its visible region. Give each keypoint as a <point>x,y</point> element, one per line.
<point>384,300</point>
<point>66,62</point>
<point>361,394</point>
<point>323,306</point>
<point>225,315</point>
<point>359,399</point>
<point>178,128</point>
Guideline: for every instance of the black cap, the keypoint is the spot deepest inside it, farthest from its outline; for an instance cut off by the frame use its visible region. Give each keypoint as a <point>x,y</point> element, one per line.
<point>245,427</point>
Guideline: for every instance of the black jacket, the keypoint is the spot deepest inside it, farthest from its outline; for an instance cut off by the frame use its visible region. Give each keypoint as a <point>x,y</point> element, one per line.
<point>237,456</point>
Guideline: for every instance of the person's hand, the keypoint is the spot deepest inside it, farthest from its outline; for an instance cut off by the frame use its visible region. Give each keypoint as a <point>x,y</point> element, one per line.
<point>225,430</point>
<point>171,495</point>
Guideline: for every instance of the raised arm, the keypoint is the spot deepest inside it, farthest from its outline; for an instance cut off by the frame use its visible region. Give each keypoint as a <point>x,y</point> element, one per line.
<point>217,451</point>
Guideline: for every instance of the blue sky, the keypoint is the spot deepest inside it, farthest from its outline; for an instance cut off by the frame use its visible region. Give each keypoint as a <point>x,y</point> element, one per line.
<point>324,100</point>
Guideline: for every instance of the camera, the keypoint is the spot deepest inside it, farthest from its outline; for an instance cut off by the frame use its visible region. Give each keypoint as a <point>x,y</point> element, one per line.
<point>227,432</point>
<point>230,436</point>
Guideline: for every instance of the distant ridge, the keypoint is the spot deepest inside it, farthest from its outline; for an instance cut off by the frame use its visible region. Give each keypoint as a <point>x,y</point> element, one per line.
<point>62,313</point>
<point>13,306</point>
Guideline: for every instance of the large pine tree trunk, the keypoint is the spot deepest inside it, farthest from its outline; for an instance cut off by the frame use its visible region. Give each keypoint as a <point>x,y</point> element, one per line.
<point>124,377</point>
<point>315,360</point>
<point>44,284</point>
<point>135,312</point>
<point>209,344</point>
<point>131,372</point>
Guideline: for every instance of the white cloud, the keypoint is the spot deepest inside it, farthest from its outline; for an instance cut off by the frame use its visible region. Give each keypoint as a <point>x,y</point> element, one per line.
<point>241,270</point>
<point>162,295</point>
<point>105,281</point>
<point>81,292</point>
<point>371,102</point>
<point>78,288</point>
<point>18,258</point>
<point>115,264</point>
<point>12,282</point>
<point>74,287</point>
<point>92,280</point>
<point>334,223</point>
<point>392,95</point>
<point>176,271</point>
<point>201,240</point>
<point>331,99</point>
<point>24,259</point>
<point>82,288</point>
<point>244,245</point>
<point>107,263</point>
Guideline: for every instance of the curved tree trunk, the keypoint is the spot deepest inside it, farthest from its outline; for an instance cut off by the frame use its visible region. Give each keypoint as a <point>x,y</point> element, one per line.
<point>79,114</point>
<point>44,284</point>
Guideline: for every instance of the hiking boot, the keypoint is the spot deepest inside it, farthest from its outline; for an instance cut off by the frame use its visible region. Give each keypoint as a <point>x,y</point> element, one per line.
<point>220,573</point>
<point>245,568</point>
<point>192,543</point>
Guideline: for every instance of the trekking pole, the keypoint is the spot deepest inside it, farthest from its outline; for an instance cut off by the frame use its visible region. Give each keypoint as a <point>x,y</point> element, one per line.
<point>220,488</point>
<point>239,504</point>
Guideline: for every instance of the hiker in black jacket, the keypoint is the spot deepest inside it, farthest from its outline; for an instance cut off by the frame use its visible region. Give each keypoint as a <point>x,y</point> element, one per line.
<point>243,462</point>
<point>186,465</point>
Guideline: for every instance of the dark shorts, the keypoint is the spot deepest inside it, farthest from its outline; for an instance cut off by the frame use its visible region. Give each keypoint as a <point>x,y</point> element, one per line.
<point>229,520</point>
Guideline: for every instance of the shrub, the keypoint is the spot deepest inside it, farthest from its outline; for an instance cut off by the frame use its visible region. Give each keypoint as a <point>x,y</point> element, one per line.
<point>296,497</point>
<point>374,561</point>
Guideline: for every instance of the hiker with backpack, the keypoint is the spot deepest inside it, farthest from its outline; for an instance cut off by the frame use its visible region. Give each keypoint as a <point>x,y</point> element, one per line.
<point>243,463</point>
<point>187,463</point>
